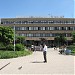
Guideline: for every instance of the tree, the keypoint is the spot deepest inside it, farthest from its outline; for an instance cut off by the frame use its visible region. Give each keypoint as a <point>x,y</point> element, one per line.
<point>73,36</point>
<point>43,40</point>
<point>20,39</point>
<point>6,34</point>
<point>60,39</point>
<point>57,39</point>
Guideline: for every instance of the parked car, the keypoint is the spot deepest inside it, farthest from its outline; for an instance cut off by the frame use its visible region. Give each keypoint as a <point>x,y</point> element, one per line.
<point>65,51</point>
<point>38,48</point>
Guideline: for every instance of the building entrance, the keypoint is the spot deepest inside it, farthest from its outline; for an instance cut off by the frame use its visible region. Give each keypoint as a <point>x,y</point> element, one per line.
<point>37,43</point>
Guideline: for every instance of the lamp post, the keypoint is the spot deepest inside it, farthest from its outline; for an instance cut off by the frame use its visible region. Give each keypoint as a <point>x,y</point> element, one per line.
<point>14,37</point>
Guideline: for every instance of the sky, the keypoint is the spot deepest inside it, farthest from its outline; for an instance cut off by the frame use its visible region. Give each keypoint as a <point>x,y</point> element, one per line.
<point>43,8</point>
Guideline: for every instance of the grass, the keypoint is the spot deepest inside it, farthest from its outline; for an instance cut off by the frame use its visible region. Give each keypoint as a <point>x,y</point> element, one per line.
<point>13,54</point>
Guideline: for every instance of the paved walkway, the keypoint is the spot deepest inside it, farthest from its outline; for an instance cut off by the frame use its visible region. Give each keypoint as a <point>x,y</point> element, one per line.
<point>33,64</point>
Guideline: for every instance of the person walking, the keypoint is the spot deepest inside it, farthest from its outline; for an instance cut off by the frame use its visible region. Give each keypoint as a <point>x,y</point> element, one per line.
<point>44,53</point>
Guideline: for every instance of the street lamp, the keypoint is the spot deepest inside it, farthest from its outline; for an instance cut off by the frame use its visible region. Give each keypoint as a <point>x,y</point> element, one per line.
<point>14,36</point>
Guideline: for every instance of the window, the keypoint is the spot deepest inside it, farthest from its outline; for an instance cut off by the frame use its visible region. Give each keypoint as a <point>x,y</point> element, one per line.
<point>27,28</point>
<point>46,28</point>
<point>74,28</point>
<point>42,28</point>
<point>68,35</point>
<point>51,35</point>
<point>17,28</point>
<point>29,35</point>
<point>35,28</point>
<point>70,28</point>
<point>51,28</point>
<point>39,28</point>
<point>22,34</point>
<point>22,28</point>
<point>30,28</point>
<point>56,28</point>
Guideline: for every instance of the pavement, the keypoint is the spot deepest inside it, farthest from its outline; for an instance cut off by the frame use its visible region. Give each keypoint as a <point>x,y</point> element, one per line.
<point>57,64</point>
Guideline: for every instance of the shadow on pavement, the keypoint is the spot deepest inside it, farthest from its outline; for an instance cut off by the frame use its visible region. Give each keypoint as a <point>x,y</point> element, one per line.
<point>37,62</point>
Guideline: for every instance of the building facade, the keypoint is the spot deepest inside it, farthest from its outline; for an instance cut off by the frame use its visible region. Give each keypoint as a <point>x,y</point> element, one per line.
<point>35,28</point>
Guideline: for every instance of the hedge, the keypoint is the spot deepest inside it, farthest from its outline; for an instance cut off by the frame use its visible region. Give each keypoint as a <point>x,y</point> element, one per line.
<point>13,54</point>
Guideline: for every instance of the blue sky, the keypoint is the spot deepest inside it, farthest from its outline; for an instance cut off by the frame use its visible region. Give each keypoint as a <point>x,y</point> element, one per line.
<point>13,8</point>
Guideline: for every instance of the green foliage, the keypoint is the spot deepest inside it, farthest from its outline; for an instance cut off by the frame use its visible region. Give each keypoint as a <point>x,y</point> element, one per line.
<point>10,47</point>
<point>2,46</point>
<point>12,54</point>
<point>6,34</point>
<point>20,39</point>
<point>73,36</point>
<point>73,52</point>
<point>60,39</point>
<point>19,47</point>
<point>72,48</point>
<point>43,40</point>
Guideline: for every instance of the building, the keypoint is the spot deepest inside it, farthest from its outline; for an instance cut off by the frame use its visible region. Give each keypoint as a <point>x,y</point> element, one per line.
<point>35,28</point>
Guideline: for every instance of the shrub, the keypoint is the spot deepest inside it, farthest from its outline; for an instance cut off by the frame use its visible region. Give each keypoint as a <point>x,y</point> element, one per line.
<point>7,54</point>
<point>13,54</point>
<point>10,47</point>
<point>19,47</point>
<point>2,46</point>
<point>71,47</point>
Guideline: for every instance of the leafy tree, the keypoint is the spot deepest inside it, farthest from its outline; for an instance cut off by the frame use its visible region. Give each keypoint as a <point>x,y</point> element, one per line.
<point>73,36</point>
<point>20,39</point>
<point>60,39</point>
<point>57,40</point>
<point>6,34</point>
<point>43,40</point>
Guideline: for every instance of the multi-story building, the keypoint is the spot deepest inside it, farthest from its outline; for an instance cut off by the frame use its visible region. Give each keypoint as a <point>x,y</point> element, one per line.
<point>35,28</point>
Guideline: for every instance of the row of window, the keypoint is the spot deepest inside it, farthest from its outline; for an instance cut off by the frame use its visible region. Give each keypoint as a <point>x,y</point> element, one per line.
<point>40,22</point>
<point>45,28</point>
<point>43,34</point>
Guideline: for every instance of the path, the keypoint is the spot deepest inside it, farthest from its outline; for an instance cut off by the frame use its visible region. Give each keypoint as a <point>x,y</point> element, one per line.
<point>33,64</point>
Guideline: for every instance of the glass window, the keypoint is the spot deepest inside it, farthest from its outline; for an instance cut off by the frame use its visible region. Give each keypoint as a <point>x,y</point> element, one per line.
<point>42,28</point>
<point>16,28</point>
<point>56,28</point>
<point>66,28</point>
<point>68,34</point>
<point>51,35</point>
<point>38,35</point>
<point>39,28</point>
<point>22,28</point>
<point>46,28</point>
<point>51,28</point>
<point>43,35</point>
<point>71,28</point>
<point>74,28</point>
<point>30,28</point>
<point>22,34</point>
<point>29,35</point>
<point>27,28</point>
<point>35,28</point>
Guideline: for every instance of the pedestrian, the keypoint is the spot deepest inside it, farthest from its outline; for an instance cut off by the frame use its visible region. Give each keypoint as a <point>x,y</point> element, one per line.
<point>44,53</point>
<point>32,47</point>
<point>35,48</point>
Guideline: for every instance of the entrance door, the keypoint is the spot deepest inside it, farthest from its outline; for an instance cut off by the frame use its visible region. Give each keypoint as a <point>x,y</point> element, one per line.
<point>37,43</point>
